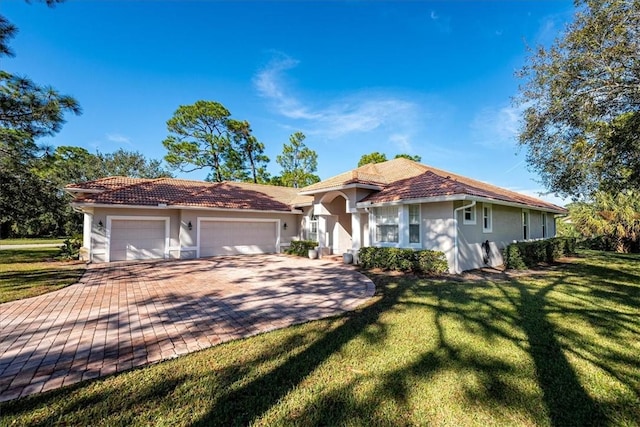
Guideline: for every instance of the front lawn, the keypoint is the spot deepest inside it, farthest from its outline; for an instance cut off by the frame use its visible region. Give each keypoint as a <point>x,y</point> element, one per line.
<point>26,273</point>
<point>32,241</point>
<point>553,347</point>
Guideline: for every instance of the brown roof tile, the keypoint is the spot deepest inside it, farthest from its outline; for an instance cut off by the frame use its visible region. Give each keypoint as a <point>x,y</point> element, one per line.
<point>180,192</point>
<point>402,178</point>
<point>109,183</point>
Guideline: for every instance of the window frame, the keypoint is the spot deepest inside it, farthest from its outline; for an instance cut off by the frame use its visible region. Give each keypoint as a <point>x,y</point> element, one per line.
<point>489,215</point>
<point>377,214</point>
<point>526,224</point>
<point>473,219</point>
<point>419,224</point>
<point>544,225</point>
<point>313,220</point>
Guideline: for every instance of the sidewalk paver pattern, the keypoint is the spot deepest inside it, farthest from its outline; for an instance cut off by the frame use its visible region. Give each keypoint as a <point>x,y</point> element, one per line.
<point>123,315</point>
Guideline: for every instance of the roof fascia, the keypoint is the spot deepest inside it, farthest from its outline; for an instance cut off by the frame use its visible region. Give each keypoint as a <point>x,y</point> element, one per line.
<point>80,205</point>
<point>342,187</point>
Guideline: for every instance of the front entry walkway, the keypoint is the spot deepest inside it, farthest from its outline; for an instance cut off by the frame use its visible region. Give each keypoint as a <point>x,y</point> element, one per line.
<point>124,315</point>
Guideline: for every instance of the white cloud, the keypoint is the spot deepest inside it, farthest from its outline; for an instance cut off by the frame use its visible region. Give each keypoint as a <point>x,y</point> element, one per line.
<point>357,112</point>
<point>403,143</point>
<point>118,138</point>
<point>496,127</point>
<point>442,24</point>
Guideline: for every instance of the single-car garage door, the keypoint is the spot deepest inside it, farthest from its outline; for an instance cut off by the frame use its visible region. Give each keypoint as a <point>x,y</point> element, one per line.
<point>237,237</point>
<point>137,239</point>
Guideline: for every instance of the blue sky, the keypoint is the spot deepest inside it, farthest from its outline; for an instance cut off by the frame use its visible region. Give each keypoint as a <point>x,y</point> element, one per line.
<point>420,77</point>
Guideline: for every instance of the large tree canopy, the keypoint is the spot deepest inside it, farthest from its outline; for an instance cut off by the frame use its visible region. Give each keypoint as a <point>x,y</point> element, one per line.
<point>203,136</point>
<point>27,112</point>
<point>581,100</point>
<point>615,217</point>
<point>375,157</point>
<point>298,162</point>
<point>251,162</point>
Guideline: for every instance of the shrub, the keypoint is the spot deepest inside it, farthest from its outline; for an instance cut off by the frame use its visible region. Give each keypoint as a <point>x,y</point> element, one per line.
<point>521,255</point>
<point>301,247</point>
<point>70,248</point>
<point>423,261</point>
<point>513,257</point>
<point>431,262</point>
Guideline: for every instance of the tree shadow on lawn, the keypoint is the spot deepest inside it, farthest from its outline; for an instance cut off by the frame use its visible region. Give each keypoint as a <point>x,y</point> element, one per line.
<point>563,396</point>
<point>516,312</point>
<point>28,256</point>
<point>24,284</point>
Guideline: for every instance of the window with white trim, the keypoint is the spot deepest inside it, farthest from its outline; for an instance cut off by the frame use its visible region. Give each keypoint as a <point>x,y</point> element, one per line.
<point>487,218</point>
<point>469,215</point>
<point>544,225</point>
<point>386,220</point>
<point>414,223</point>
<point>313,228</point>
<point>525,224</point>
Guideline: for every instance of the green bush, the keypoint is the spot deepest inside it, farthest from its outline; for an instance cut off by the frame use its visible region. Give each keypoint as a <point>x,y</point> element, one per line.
<point>521,255</point>
<point>70,248</point>
<point>431,262</point>
<point>423,261</point>
<point>598,243</point>
<point>301,247</point>
<point>513,257</point>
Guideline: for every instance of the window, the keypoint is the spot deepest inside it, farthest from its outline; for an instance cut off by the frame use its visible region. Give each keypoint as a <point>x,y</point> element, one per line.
<point>525,225</point>
<point>414,223</point>
<point>313,228</point>
<point>544,225</point>
<point>469,216</point>
<point>387,224</point>
<point>487,218</point>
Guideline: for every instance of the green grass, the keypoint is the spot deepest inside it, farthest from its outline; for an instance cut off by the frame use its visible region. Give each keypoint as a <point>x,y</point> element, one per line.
<point>31,241</point>
<point>26,273</point>
<point>555,347</point>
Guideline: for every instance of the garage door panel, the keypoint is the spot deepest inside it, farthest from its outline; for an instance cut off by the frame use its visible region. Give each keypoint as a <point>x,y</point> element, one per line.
<point>137,239</point>
<point>237,237</point>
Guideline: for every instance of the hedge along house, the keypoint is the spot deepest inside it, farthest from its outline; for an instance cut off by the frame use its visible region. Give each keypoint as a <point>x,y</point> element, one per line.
<point>130,219</point>
<point>398,203</point>
<point>405,204</point>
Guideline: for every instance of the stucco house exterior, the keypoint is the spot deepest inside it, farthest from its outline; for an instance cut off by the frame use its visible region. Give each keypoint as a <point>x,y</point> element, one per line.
<point>398,203</point>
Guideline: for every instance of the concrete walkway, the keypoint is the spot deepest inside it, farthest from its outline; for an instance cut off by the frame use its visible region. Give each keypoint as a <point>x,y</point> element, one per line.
<point>126,315</point>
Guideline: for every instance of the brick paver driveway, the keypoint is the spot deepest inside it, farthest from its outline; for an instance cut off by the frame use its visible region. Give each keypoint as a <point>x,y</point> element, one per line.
<point>126,315</point>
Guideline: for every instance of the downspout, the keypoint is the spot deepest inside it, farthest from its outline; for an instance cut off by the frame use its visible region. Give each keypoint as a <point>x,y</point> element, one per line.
<point>455,230</point>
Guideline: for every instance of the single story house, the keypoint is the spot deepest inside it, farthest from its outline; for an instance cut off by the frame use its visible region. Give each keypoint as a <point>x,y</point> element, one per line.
<point>398,203</point>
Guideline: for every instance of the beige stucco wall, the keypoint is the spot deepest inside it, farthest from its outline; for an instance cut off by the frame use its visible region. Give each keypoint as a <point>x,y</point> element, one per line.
<point>506,228</point>
<point>437,227</point>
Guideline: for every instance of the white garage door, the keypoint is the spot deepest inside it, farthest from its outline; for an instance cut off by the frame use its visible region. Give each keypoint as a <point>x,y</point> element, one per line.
<point>136,239</point>
<point>237,237</point>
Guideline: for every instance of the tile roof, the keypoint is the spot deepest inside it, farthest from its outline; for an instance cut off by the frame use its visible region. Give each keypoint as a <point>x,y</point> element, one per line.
<point>108,183</point>
<point>378,174</point>
<point>181,192</point>
<point>404,179</point>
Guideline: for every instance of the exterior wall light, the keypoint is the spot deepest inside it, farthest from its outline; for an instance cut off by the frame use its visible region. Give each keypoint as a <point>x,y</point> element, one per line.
<point>100,225</point>
<point>285,226</point>
<point>190,226</point>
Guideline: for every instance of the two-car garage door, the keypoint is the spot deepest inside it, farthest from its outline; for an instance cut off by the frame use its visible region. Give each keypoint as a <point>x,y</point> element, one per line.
<point>227,237</point>
<point>133,238</point>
